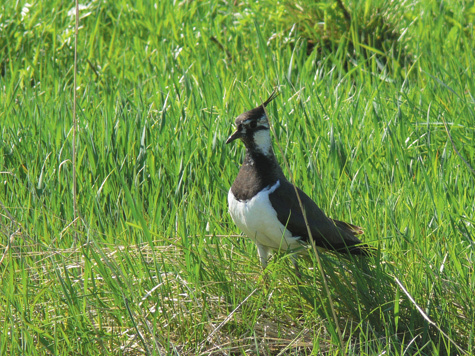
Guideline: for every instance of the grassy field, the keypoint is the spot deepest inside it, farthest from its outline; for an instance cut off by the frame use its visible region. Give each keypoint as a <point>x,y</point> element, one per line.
<point>376,118</point>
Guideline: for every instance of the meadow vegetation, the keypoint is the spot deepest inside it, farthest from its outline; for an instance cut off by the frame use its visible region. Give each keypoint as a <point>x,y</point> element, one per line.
<point>376,118</point>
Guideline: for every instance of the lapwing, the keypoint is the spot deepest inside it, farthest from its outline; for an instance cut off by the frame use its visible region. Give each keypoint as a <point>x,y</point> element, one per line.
<point>264,204</point>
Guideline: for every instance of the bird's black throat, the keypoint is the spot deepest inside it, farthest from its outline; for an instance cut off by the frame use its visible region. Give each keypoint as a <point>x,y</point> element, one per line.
<point>257,172</point>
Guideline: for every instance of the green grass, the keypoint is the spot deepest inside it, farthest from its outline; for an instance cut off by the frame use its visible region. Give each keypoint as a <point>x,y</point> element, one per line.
<point>381,137</point>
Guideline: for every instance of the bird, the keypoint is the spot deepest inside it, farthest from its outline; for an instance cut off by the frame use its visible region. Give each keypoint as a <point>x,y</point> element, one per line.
<point>264,204</point>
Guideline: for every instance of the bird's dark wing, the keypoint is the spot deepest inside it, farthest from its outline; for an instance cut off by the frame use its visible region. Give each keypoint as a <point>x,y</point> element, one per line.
<point>330,234</point>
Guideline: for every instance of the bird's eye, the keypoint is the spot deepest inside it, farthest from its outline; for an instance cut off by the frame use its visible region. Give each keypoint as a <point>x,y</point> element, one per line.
<point>253,124</point>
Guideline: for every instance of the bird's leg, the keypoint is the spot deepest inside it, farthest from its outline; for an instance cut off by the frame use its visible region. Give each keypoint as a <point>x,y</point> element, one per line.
<point>263,252</point>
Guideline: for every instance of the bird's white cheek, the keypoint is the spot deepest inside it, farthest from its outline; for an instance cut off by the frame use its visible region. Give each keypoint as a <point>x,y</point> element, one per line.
<point>262,141</point>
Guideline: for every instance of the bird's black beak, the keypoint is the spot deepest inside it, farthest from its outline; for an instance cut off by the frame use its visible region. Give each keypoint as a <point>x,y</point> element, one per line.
<point>234,136</point>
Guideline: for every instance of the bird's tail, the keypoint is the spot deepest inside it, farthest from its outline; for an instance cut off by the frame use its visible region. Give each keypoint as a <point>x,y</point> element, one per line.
<point>354,246</point>
<point>355,230</point>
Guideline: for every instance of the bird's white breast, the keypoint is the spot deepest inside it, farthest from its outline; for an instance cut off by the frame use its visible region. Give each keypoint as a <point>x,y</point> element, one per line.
<point>258,220</point>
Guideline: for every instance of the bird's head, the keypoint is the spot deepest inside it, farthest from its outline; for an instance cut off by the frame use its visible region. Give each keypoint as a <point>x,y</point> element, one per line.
<point>252,127</point>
